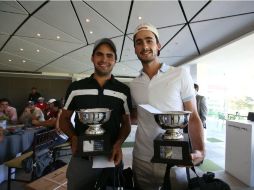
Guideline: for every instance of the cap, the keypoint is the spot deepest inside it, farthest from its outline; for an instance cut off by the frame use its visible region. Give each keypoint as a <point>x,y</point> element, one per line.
<point>40,98</point>
<point>146,26</point>
<point>105,41</point>
<point>51,100</point>
<point>30,103</point>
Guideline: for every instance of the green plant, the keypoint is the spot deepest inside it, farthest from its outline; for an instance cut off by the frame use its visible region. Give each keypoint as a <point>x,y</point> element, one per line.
<point>3,117</point>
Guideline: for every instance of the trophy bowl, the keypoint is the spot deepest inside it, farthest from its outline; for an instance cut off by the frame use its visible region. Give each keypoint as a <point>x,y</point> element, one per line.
<point>172,121</point>
<point>94,118</point>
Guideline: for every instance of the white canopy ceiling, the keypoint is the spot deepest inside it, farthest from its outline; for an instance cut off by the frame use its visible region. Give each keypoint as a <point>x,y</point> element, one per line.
<point>187,29</point>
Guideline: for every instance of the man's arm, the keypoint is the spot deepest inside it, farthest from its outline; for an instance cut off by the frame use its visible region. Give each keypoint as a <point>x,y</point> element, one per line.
<point>12,114</point>
<point>123,134</point>
<point>51,122</point>
<point>134,116</point>
<point>66,126</point>
<point>196,132</point>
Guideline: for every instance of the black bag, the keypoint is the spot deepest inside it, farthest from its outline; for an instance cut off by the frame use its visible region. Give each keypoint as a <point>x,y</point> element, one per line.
<point>53,166</point>
<point>127,178</point>
<point>27,164</point>
<point>206,182</point>
<point>114,178</point>
<point>42,160</point>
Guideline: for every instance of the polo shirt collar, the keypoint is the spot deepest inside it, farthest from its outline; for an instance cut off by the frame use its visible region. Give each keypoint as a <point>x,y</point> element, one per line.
<point>112,79</point>
<point>164,68</point>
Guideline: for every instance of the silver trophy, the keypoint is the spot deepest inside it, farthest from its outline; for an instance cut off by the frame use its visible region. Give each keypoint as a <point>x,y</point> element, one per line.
<point>94,118</point>
<point>172,122</point>
<point>172,146</point>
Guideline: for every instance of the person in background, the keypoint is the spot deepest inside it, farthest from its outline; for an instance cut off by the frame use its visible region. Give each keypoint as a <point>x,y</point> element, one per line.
<point>62,100</point>
<point>41,104</point>
<point>31,113</point>
<point>166,88</point>
<point>34,95</point>
<point>100,90</point>
<point>3,116</point>
<point>49,111</point>
<point>8,111</point>
<point>53,122</point>
<point>201,106</point>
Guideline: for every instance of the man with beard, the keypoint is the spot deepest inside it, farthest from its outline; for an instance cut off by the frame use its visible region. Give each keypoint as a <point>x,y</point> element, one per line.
<point>100,90</point>
<point>167,89</point>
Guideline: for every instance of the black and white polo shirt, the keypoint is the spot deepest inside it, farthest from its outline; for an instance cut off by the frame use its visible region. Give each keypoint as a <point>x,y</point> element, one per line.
<point>87,93</point>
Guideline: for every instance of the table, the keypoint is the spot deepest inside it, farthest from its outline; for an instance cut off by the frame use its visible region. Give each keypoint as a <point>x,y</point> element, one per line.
<point>55,180</point>
<point>14,144</point>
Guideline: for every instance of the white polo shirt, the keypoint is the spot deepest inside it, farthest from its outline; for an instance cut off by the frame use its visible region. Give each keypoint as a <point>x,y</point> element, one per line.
<point>166,91</point>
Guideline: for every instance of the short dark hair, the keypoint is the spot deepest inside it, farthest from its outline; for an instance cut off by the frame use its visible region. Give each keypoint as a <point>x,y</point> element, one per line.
<point>57,104</point>
<point>196,86</point>
<point>5,100</point>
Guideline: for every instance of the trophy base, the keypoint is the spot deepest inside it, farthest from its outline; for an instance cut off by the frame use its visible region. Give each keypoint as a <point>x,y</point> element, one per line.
<point>173,152</point>
<point>94,145</point>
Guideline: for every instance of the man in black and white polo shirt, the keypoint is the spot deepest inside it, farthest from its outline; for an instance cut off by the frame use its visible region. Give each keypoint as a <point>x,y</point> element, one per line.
<point>100,90</point>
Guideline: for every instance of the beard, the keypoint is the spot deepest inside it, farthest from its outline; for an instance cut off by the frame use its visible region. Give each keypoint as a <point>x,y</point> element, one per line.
<point>149,59</point>
<point>103,73</point>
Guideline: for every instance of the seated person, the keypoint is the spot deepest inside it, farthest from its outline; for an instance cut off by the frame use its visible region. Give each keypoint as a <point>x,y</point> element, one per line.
<point>53,122</point>
<point>3,116</point>
<point>1,134</point>
<point>8,111</point>
<point>49,112</point>
<point>41,104</point>
<point>31,113</point>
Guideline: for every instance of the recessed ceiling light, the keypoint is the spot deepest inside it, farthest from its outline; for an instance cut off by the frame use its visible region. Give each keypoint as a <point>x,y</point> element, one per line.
<point>23,61</point>
<point>58,37</point>
<point>91,32</point>
<point>87,20</point>
<point>139,18</point>
<point>38,34</point>
<point>38,50</point>
<point>9,60</point>
<point>21,49</point>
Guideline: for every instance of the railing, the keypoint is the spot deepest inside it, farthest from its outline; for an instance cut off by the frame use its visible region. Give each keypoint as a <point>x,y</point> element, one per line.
<point>229,116</point>
<point>236,117</point>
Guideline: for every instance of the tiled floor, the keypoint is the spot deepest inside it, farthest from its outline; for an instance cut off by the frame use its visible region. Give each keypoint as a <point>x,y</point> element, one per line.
<point>215,152</point>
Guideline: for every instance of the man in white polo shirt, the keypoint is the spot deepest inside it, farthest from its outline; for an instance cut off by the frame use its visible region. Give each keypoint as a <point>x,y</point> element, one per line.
<point>167,89</point>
